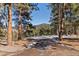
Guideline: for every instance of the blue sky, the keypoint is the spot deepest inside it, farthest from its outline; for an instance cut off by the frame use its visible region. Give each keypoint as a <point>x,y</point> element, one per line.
<point>42,15</point>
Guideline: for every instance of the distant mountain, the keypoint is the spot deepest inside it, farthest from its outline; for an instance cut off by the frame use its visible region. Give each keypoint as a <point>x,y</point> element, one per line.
<point>43,24</point>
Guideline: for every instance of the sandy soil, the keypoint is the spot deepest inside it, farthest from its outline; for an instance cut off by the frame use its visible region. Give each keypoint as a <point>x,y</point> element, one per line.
<point>68,49</point>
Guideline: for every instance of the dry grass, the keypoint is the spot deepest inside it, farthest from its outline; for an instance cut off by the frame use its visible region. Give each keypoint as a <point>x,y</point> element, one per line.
<point>22,42</point>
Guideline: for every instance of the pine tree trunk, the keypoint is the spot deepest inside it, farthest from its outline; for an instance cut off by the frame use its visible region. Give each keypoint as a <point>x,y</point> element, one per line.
<point>75,30</point>
<point>20,27</point>
<point>9,39</point>
<point>60,18</point>
<point>60,22</point>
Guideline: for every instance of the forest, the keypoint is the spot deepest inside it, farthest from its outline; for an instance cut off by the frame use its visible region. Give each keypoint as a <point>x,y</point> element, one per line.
<point>64,20</point>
